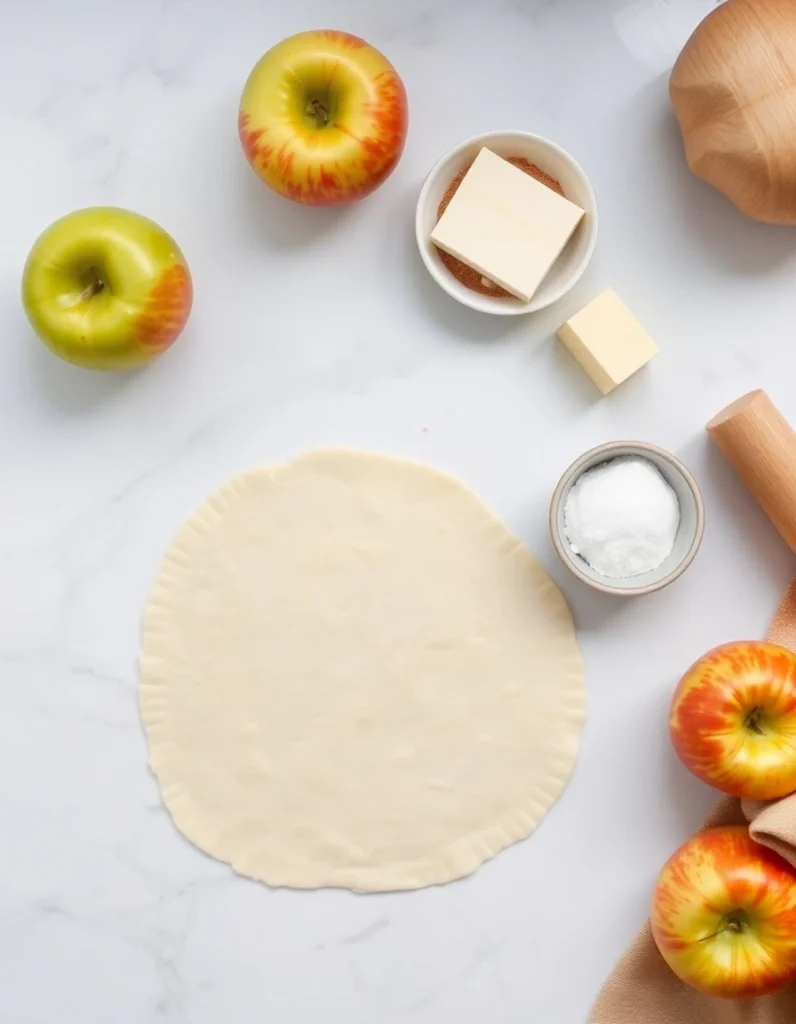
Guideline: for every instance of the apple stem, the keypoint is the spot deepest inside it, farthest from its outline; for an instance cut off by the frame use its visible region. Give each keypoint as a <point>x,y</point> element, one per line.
<point>737,921</point>
<point>94,286</point>
<point>753,721</point>
<point>317,110</point>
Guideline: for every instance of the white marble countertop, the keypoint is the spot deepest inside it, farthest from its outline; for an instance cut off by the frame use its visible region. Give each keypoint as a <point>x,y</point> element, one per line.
<point>311,328</point>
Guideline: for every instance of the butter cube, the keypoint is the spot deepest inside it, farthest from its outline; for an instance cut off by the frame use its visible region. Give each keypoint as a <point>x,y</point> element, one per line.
<point>506,225</point>
<point>608,341</point>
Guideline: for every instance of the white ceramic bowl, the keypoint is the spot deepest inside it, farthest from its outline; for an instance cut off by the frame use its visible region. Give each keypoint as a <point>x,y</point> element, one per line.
<point>552,159</point>
<point>689,534</point>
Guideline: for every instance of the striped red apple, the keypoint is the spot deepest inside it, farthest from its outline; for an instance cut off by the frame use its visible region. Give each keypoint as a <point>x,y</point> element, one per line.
<point>323,118</point>
<point>724,915</point>
<point>733,720</point>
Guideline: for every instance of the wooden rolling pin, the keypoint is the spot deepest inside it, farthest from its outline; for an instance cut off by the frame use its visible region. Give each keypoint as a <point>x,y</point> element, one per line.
<point>760,444</point>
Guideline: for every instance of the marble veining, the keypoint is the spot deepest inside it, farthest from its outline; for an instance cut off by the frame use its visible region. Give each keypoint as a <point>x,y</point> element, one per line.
<point>314,328</point>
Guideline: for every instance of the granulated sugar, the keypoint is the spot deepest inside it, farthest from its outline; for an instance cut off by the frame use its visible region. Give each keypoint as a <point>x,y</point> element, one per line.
<point>622,518</point>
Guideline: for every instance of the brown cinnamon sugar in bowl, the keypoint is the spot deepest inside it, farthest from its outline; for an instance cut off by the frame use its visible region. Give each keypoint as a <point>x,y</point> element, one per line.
<point>466,275</point>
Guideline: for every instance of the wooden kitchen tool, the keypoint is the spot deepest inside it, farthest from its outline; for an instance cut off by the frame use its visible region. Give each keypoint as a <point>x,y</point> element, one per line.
<point>760,444</point>
<point>734,95</point>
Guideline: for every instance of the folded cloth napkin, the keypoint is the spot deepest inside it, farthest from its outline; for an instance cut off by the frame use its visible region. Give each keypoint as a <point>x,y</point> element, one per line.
<point>642,988</point>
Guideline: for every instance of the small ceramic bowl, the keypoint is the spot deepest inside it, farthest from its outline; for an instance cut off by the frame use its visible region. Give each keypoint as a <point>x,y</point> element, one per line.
<point>570,265</point>
<point>689,534</point>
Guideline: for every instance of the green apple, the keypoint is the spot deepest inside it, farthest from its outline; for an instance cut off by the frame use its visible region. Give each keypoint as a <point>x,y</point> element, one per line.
<point>106,288</point>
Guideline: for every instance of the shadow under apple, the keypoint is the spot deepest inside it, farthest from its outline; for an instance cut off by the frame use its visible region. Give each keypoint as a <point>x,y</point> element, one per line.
<point>279,222</point>
<point>70,389</point>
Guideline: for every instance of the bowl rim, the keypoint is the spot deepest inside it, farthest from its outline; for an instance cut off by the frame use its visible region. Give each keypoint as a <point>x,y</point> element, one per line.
<point>586,461</point>
<point>486,303</point>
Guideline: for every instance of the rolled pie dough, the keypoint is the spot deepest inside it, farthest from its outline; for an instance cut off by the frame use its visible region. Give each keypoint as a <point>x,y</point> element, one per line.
<point>353,675</point>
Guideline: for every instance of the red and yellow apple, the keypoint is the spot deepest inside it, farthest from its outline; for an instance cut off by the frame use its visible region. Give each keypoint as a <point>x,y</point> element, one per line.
<point>106,288</point>
<point>323,118</point>
<point>724,915</point>
<point>733,720</point>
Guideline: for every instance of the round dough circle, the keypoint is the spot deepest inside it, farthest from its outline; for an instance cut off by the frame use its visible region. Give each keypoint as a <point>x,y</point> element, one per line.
<point>353,675</point>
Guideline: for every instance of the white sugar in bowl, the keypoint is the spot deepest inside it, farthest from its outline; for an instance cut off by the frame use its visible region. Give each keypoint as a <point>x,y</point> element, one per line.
<point>690,529</point>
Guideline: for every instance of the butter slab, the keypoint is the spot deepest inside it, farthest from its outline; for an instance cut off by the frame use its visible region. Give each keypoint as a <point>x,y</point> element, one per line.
<point>506,225</point>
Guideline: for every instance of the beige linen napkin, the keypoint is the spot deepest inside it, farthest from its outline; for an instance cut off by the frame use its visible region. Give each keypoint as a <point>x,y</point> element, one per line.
<point>642,988</point>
